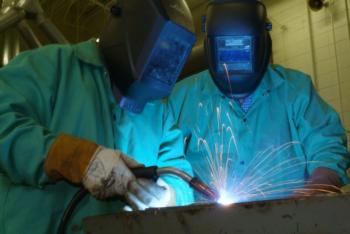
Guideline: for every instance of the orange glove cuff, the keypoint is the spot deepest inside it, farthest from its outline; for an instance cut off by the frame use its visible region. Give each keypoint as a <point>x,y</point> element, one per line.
<point>69,158</point>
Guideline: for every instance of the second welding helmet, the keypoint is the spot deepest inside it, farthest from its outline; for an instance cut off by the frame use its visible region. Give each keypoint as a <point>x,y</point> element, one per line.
<point>145,44</point>
<point>237,44</point>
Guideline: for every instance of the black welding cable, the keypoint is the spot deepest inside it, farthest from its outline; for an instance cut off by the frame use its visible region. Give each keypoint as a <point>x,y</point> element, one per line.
<point>142,172</point>
<point>78,196</point>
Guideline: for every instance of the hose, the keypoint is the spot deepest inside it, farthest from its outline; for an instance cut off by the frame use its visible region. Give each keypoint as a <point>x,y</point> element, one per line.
<point>69,211</point>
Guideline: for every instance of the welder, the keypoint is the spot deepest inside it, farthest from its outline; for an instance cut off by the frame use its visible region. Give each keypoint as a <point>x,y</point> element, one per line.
<point>243,107</point>
<point>83,115</point>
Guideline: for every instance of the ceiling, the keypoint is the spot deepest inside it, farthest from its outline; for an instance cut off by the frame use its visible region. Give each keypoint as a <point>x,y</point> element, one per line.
<point>195,3</point>
<point>79,20</point>
<point>82,19</point>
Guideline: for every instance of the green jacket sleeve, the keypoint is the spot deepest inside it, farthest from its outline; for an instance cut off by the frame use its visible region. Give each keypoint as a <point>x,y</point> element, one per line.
<point>27,86</point>
<point>320,130</point>
<point>172,155</point>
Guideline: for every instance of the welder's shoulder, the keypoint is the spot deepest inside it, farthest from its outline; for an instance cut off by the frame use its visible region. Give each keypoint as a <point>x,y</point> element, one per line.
<point>48,54</point>
<point>44,57</point>
<point>55,48</point>
<point>294,79</point>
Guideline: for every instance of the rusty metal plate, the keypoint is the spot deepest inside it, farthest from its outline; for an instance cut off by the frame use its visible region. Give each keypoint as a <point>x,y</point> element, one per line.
<point>316,215</point>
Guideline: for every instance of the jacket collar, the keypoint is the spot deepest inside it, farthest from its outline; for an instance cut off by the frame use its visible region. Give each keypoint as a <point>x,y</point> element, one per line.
<point>87,52</point>
<point>272,79</point>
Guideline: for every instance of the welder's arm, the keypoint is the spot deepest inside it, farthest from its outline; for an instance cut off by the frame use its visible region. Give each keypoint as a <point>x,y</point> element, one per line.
<point>172,155</point>
<point>323,139</point>
<point>27,89</point>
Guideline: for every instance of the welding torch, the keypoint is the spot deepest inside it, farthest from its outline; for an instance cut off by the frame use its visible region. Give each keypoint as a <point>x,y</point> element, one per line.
<point>153,173</point>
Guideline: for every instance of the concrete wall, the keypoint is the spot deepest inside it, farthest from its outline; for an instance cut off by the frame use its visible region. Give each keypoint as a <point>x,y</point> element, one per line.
<point>317,43</point>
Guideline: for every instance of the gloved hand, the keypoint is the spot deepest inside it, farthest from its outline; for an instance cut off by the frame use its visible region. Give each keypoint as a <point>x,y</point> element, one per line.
<point>322,181</point>
<point>108,174</point>
<point>103,172</point>
<point>153,194</point>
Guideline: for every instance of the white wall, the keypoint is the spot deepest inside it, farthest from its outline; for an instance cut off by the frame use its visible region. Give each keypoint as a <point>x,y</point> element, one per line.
<point>317,43</point>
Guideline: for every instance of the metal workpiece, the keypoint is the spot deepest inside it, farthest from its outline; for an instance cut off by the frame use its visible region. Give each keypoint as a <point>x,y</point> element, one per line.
<point>313,215</point>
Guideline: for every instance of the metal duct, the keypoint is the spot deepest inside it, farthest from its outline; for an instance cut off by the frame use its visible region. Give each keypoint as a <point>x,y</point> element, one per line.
<point>10,40</point>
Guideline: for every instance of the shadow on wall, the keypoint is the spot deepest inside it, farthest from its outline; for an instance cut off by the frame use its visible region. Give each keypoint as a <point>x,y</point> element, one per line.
<point>196,62</point>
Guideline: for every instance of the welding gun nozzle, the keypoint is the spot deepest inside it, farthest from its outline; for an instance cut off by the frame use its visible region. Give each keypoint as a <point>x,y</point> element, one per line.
<point>204,189</point>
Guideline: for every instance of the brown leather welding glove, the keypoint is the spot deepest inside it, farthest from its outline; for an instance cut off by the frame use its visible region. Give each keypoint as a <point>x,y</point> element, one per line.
<point>69,158</point>
<point>322,181</point>
<point>97,167</point>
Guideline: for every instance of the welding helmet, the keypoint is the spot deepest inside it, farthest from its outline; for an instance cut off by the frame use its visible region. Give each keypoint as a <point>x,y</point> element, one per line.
<point>144,46</point>
<point>237,45</point>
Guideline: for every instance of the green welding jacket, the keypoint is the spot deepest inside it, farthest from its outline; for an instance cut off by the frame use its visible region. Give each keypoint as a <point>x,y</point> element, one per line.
<point>65,89</point>
<point>268,151</point>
